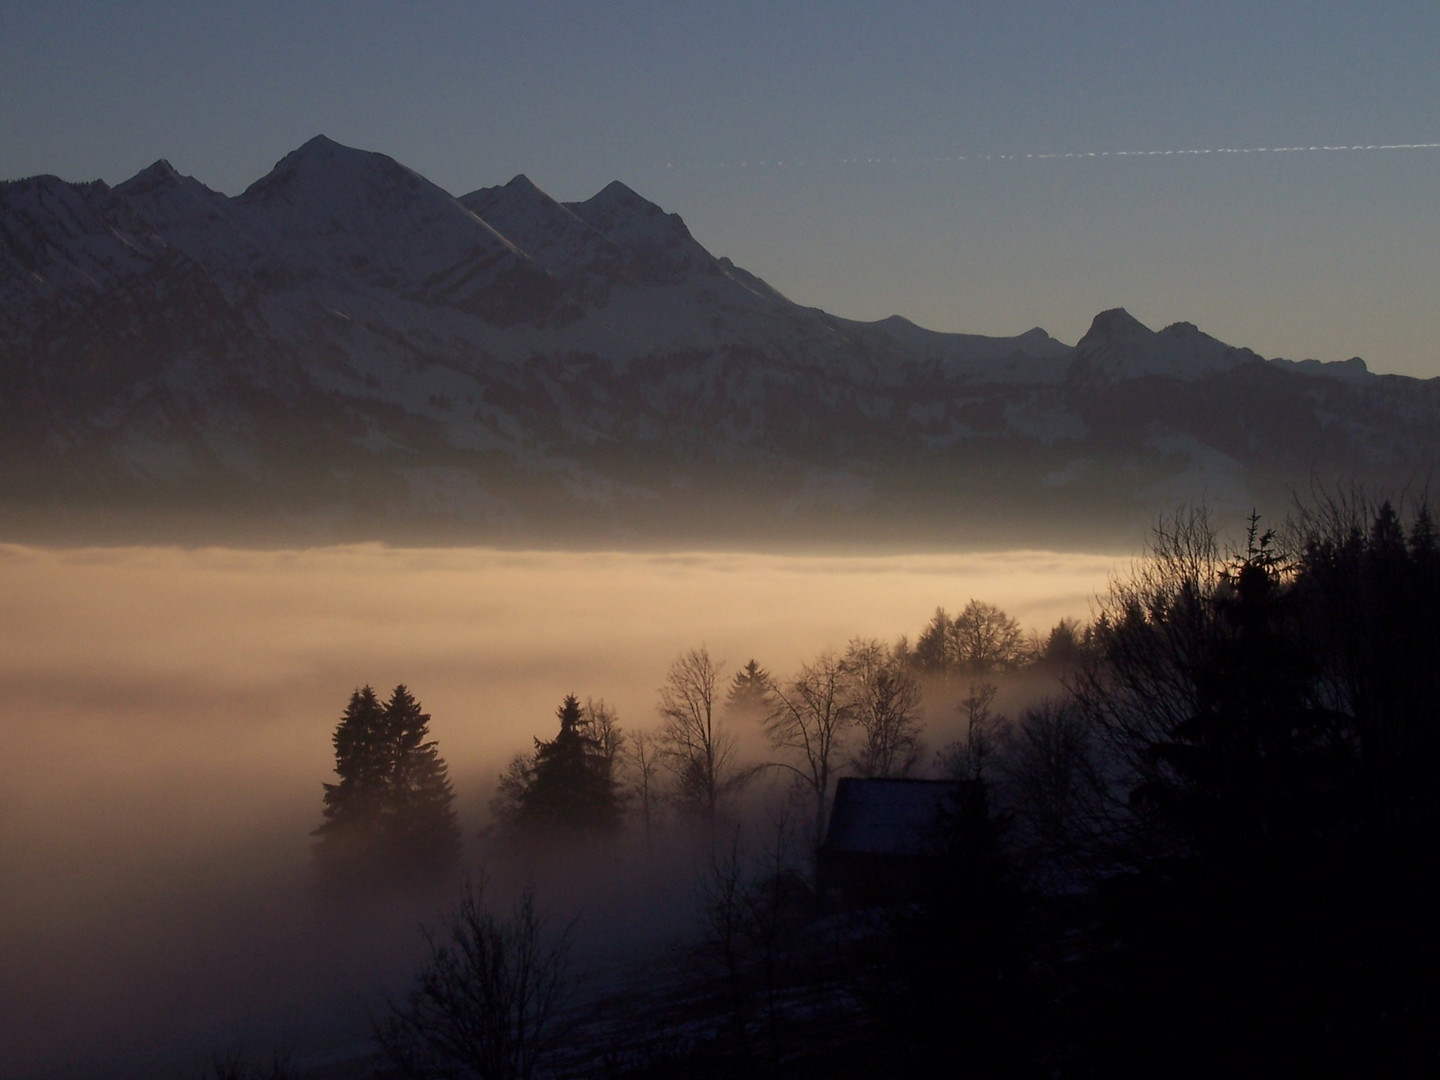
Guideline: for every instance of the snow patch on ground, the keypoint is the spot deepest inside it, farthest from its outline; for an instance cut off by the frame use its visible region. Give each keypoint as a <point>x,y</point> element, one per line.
<point>1209,476</point>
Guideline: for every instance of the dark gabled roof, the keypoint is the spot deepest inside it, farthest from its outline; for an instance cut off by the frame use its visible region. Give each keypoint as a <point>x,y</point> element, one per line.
<point>886,817</point>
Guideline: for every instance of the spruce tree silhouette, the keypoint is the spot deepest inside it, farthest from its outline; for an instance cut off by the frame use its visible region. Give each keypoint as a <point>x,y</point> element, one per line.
<point>422,832</point>
<point>570,789</point>
<point>749,693</point>
<point>350,835</point>
<point>391,813</point>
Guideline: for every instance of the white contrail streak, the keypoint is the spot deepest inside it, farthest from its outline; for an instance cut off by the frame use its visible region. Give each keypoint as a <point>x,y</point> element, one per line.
<point>782,163</point>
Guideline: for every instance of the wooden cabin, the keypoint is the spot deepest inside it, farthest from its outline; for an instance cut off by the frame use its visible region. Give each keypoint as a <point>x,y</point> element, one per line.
<point>881,841</point>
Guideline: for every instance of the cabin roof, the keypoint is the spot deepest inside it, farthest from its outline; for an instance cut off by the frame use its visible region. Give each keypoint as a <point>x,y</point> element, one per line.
<point>886,817</point>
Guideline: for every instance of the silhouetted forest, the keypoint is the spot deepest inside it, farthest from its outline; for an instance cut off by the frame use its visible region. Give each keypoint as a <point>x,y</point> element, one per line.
<point>1202,846</point>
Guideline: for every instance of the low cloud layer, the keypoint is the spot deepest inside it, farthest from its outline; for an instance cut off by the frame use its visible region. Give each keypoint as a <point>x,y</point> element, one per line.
<point>170,715</point>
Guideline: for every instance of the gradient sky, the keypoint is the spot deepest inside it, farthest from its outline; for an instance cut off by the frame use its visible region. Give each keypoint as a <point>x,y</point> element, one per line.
<point>816,144</point>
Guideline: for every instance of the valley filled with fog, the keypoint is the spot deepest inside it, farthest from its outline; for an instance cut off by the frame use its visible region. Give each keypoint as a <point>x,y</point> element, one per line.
<point>171,714</point>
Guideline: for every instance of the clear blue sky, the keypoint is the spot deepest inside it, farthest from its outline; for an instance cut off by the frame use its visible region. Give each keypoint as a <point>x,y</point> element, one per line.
<point>1313,253</point>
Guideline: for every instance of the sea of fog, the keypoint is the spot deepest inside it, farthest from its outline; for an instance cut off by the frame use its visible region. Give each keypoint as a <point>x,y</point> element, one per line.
<point>167,717</point>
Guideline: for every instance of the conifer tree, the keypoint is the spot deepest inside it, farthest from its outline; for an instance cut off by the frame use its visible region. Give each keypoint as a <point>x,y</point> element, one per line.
<point>422,831</point>
<point>392,809</point>
<point>569,788</point>
<point>349,835</point>
<point>749,696</point>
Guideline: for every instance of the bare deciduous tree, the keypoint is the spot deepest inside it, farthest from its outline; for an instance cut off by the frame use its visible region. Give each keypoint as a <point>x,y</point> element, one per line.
<point>1156,629</point>
<point>488,998</point>
<point>698,749</point>
<point>644,761</point>
<point>886,700</point>
<point>1051,770</point>
<point>605,730</point>
<point>985,639</point>
<point>811,718</point>
<point>233,1064</point>
<point>979,640</point>
<point>752,905</point>
<point>505,806</point>
<point>965,758</point>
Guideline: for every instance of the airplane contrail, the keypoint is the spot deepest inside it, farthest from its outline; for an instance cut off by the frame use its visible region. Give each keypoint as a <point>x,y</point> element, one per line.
<point>780,163</point>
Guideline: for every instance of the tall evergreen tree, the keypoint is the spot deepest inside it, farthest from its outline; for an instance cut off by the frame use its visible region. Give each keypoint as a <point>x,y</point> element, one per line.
<point>422,831</point>
<point>391,810</point>
<point>749,693</point>
<point>569,788</point>
<point>349,835</point>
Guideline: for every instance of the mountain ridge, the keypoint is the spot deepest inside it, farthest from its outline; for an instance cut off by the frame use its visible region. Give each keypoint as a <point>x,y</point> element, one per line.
<point>345,350</point>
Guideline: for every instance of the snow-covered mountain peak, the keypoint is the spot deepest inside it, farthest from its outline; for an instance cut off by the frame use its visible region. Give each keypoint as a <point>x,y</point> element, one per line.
<point>161,184</point>
<point>1115,323</point>
<point>42,215</point>
<point>66,249</point>
<point>617,195</point>
<point>348,341</point>
<point>324,167</point>
<point>658,247</point>
<point>545,230</point>
<point>520,184</point>
<point>206,225</point>
<point>1037,342</point>
<point>364,214</point>
<point>153,176</point>
<point>620,213</point>
<point>520,198</point>
<point>1183,330</point>
<point>1118,346</point>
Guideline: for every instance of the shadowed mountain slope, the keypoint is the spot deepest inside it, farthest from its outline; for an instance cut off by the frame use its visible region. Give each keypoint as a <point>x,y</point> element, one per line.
<point>346,351</point>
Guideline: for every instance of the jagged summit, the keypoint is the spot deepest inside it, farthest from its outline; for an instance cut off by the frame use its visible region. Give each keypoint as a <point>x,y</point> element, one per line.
<point>362,215</point>
<point>1036,333</point>
<point>1119,346</point>
<point>1113,323</point>
<point>161,194</point>
<point>547,231</point>
<point>617,207</point>
<point>1183,330</point>
<point>322,163</point>
<point>348,342</point>
<point>657,246</point>
<point>152,176</point>
<point>320,143</point>
<point>49,182</point>
<point>520,183</point>
<point>618,194</point>
<point>1354,370</point>
<point>520,195</point>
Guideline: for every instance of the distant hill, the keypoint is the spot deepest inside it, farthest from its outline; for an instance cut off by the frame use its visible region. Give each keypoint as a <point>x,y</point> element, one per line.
<point>345,351</point>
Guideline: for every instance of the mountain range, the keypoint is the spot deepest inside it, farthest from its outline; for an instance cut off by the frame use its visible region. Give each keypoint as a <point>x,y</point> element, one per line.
<point>346,351</point>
